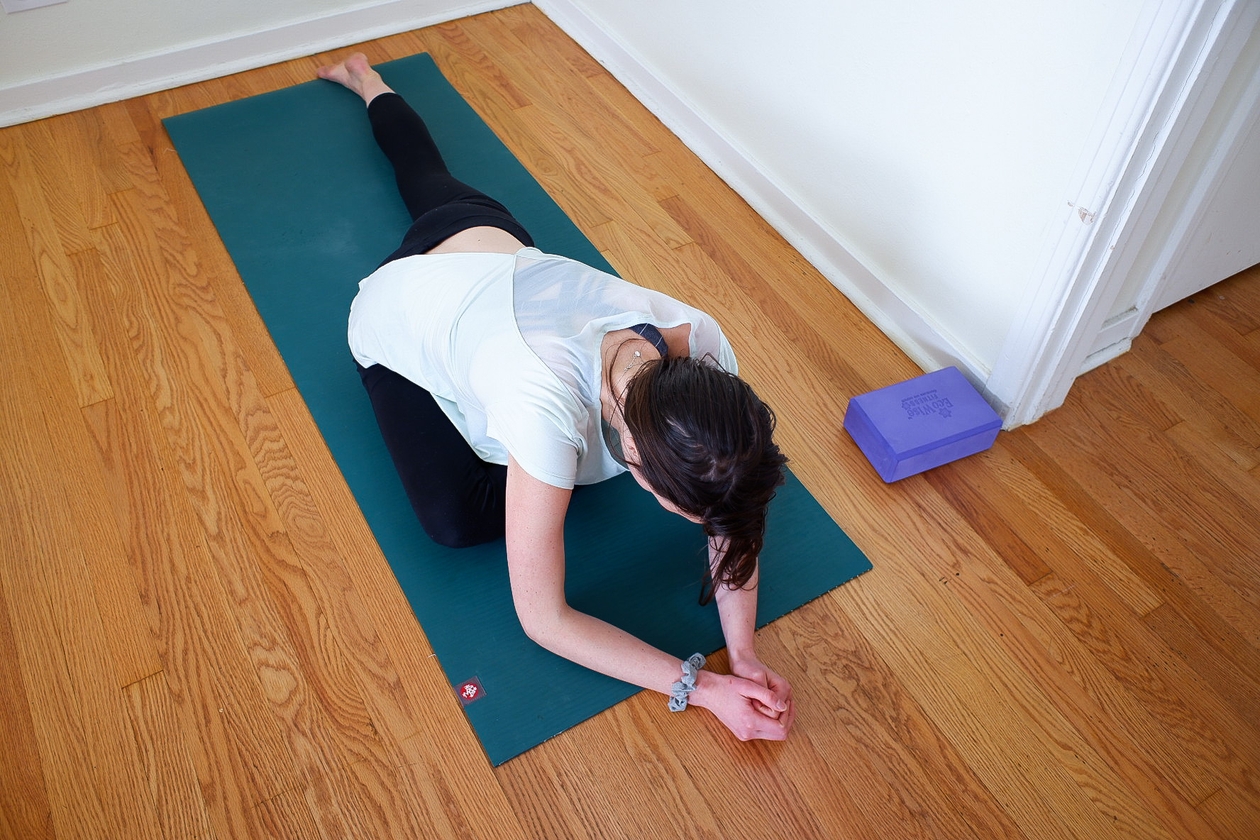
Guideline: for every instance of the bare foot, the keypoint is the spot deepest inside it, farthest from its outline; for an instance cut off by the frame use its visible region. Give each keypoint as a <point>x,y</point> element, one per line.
<point>356,74</point>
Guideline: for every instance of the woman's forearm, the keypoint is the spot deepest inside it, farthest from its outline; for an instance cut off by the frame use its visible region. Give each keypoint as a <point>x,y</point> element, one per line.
<point>737,609</point>
<point>602,647</point>
<point>535,549</point>
<point>746,704</point>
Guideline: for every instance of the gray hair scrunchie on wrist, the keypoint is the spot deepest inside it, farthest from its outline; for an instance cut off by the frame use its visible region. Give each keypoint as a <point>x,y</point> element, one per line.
<point>679,691</point>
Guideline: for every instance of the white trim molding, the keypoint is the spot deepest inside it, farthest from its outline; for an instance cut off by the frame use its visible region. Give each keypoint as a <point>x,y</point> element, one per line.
<point>196,62</point>
<point>1241,127</point>
<point>1138,146</point>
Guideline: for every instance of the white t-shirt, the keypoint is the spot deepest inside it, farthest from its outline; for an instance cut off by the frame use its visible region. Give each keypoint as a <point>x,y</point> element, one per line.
<point>508,345</point>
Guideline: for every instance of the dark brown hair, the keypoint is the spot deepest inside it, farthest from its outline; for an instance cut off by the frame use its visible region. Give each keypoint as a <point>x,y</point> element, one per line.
<point>706,443</point>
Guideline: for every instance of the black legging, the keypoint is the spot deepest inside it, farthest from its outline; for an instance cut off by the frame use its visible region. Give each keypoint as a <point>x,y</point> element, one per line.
<point>458,498</point>
<point>440,205</point>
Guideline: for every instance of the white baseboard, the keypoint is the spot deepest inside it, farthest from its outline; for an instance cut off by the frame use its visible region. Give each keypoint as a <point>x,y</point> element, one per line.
<point>188,63</point>
<point>1117,330</point>
<point>1106,354</point>
<point>924,342</point>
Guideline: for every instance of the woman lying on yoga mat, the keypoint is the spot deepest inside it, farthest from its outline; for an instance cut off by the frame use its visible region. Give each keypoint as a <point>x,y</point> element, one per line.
<point>502,377</point>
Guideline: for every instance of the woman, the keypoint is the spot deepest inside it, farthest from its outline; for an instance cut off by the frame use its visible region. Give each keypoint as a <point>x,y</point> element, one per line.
<point>502,377</point>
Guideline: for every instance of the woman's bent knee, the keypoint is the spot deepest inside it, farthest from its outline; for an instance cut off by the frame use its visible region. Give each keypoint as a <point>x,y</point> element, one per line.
<point>455,529</point>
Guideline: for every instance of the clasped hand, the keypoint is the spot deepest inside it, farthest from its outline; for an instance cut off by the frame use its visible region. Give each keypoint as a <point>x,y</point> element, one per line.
<point>752,701</point>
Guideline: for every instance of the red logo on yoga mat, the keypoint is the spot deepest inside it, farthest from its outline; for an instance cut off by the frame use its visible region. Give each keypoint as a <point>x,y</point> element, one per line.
<point>469,691</point>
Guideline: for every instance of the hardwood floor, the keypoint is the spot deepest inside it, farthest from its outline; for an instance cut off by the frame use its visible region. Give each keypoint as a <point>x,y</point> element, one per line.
<point>200,638</point>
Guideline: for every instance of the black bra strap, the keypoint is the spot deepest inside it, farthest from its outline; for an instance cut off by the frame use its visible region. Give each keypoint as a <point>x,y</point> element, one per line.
<point>653,335</point>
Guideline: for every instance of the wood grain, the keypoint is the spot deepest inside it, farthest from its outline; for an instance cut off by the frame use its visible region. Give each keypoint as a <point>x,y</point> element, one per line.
<point>199,636</point>
<point>76,714</point>
<point>24,806</point>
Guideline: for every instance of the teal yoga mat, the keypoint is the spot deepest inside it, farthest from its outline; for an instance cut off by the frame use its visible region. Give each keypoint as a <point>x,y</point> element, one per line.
<point>306,206</point>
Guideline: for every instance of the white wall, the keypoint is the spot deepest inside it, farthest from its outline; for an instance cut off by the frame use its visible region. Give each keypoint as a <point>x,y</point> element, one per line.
<point>53,40</point>
<point>80,53</point>
<point>963,171</point>
<point>935,142</point>
<point>1208,226</point>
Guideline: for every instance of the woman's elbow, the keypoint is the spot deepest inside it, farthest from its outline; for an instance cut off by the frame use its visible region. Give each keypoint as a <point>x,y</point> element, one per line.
<point>541,628</point>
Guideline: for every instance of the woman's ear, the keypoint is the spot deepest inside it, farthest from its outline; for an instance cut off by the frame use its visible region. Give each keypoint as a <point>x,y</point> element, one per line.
<point>628,449</point>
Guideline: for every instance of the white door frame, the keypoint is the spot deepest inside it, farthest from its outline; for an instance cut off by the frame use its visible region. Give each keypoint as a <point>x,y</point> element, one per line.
<point>1178,58</point>
<point>1162,287</point>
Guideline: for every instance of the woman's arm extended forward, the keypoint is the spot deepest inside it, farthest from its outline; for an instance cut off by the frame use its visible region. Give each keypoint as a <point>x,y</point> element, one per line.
<point>535,547</point>
<point>738,611</point>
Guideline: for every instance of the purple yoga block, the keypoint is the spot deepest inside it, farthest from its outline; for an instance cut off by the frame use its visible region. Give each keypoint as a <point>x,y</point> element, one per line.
<point>921,423</point>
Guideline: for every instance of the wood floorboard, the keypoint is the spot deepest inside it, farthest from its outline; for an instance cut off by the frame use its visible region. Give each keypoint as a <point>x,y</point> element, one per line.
<point>199,636</point>
<point>76,713</point>
<point>166,759</point>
